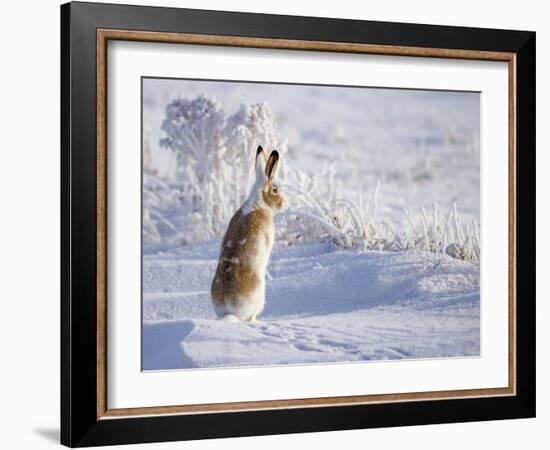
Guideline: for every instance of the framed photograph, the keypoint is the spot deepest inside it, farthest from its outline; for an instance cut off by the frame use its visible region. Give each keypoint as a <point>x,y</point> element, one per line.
<point>276,224</point>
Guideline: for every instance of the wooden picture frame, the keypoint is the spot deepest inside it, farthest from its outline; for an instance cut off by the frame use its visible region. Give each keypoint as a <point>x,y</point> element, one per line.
<point>86,418</point>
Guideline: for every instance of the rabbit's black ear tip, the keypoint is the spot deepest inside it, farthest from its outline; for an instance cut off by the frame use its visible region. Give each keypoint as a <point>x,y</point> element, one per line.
<point>259,150</point>
<point>275,154</point>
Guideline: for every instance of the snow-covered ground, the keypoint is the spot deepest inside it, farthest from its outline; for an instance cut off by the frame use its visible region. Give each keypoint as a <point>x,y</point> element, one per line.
<point>323,304</point>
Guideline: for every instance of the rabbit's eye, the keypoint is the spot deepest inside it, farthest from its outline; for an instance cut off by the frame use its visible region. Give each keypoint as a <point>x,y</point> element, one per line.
<point>275,189</point>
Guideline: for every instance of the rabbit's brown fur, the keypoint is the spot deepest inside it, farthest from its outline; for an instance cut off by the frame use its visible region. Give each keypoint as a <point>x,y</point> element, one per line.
<point>236,275</point>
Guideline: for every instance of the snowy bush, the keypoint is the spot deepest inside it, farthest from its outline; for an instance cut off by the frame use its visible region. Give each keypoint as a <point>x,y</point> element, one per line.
<point>215,159</point>
<point>249,127</point>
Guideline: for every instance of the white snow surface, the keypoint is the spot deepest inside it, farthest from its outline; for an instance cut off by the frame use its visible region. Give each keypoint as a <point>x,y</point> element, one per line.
<point>323,304</point>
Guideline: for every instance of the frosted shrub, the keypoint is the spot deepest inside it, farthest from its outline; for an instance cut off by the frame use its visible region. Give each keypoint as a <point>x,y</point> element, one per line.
<point>445,233</point>
<point>317,210</point>
<point>195,132</point>
<point>215,157</point>
<point>249,127</point>
<point>164,206</point>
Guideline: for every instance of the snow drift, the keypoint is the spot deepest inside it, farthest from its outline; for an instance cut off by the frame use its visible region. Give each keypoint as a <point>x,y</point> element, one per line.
<point>323,304</point>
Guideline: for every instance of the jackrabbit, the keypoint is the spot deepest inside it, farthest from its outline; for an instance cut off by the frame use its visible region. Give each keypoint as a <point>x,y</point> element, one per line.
<point>238,287</point>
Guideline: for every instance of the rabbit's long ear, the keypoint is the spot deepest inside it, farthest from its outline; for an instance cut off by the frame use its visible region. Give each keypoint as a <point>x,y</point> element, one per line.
<point>260,163</point>
<point>272,165</point>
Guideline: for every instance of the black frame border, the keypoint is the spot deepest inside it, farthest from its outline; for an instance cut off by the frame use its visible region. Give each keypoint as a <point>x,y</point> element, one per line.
<point>79,423</point>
